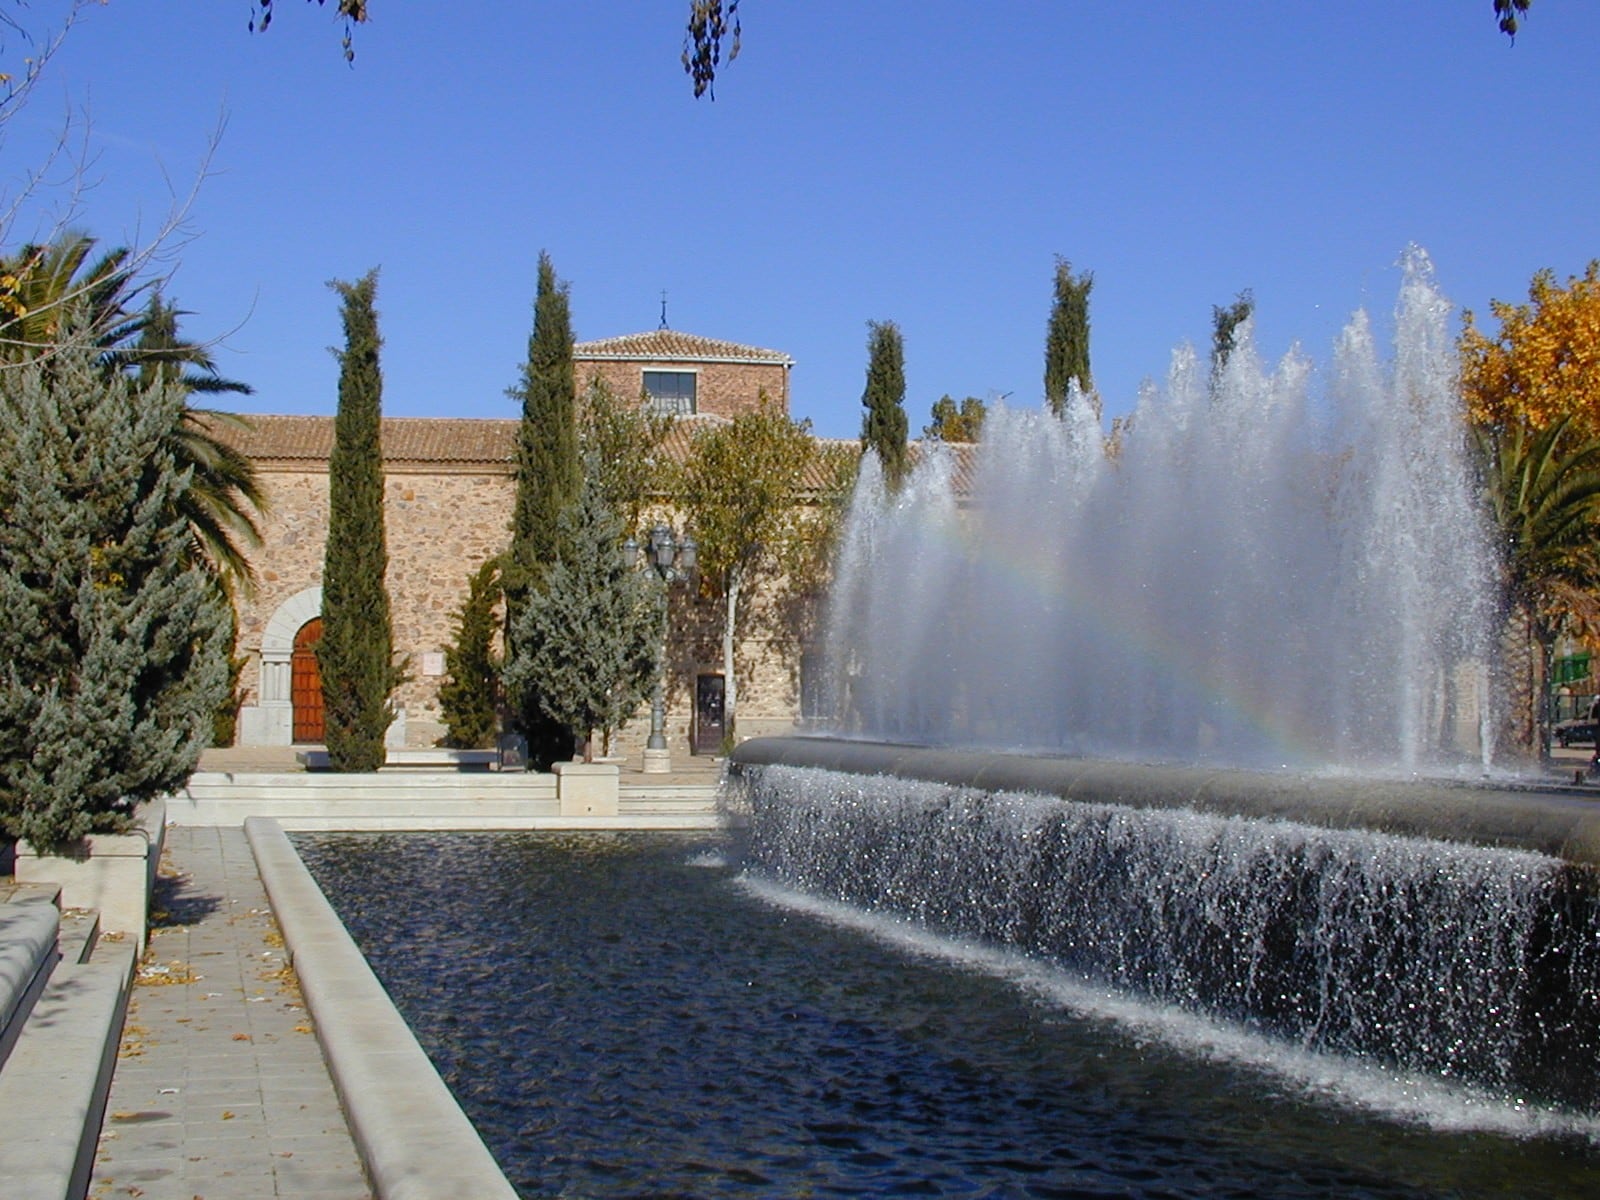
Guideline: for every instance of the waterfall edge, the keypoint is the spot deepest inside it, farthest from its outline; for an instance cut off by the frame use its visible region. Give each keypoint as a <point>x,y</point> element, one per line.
<point>1561,823</point>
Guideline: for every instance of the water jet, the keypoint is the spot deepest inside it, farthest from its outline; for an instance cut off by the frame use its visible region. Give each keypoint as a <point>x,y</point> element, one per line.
<point>1206,717</point>
<point>1261,572</point>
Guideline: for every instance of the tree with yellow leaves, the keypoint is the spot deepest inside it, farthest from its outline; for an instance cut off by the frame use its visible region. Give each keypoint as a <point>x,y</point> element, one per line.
<point>1533,396</point>
<point>1544,364</point>
<point>737,491</point>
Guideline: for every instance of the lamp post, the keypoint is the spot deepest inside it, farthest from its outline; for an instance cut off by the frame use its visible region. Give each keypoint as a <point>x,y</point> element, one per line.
<point>673,561</point>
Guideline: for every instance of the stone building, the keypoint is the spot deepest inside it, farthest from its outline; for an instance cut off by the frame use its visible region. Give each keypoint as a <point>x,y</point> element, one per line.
<point>449,488</point>
<point>684,375</point>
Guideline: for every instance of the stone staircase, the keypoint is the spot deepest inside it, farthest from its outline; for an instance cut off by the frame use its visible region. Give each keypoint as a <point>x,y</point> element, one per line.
<point>63,997</point>
<point>432,800</point>
<point>695,805</point>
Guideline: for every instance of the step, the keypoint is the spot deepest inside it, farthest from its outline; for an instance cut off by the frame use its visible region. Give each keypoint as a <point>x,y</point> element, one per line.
<point>30,921</point>
<point>80,934</point>
<point>421,758</point>
<point>54,1085</point>
<point>306,803</point>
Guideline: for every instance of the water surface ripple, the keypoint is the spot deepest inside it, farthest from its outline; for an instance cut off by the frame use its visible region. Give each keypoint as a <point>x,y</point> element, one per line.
<point>621,1018</point>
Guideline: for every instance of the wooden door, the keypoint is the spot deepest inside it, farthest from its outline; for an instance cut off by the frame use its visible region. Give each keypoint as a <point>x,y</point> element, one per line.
<point>305,683</point>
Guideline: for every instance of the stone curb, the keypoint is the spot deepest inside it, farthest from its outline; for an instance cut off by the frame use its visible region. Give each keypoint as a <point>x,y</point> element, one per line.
<point>411,1134</point>
<point>115,873</point>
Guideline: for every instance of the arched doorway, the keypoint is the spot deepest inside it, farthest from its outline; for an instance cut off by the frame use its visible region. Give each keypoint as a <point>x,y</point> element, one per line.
<point>270,720</point>
<point>305,683</point>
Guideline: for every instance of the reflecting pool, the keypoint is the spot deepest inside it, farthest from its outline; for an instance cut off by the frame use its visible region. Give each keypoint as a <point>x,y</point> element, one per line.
<point>630,1015</point>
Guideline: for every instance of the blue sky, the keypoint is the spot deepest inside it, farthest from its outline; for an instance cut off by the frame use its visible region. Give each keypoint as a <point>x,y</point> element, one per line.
<point>862,161</point>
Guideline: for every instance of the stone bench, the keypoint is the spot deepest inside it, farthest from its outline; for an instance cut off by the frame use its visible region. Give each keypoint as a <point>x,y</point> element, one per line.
<point>422,758</point>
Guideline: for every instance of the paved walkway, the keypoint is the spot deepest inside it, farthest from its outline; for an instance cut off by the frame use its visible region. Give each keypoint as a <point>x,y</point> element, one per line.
<point>1566,762</point>
<point>220,1091</point>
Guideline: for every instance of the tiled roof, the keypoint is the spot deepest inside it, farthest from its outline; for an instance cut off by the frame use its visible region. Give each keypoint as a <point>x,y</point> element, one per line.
<point>436,440</point>
<point>669,345</point>
<point>464,442</point>
<point>962,470</point>
<point>412,441</point>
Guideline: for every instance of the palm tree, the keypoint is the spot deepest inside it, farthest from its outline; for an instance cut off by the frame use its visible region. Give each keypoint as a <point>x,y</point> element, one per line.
<point>45,282</point>
<point>45,279</point>
<point>1543,491</point>
<point>224,490</point>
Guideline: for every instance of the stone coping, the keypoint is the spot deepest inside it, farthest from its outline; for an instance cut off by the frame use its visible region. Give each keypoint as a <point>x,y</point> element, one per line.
<point>416,1142</point>
<point>113,873</point>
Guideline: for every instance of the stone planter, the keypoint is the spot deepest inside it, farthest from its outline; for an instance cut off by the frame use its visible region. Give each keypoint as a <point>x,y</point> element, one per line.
<point>587,789</point>
<point>115,873</point>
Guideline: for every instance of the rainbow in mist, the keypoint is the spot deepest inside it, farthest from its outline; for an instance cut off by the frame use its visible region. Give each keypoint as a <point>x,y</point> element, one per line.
<point>1283,567</point>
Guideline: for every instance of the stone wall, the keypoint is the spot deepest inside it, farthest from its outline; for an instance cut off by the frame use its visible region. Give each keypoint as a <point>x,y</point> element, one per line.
<point>439,528</point>
<point>722,389</point>
<point>440,524</point>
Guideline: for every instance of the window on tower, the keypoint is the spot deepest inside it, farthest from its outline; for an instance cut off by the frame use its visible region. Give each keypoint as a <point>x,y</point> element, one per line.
<point>670,393</point>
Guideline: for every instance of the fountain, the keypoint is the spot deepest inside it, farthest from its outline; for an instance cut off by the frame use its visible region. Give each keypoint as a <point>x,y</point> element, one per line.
<point>1192,888</point>
<point>1260,576</point>
<point>1205,720</point>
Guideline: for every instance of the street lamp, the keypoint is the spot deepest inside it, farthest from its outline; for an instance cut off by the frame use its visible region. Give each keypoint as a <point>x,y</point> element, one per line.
<point>673,561</point>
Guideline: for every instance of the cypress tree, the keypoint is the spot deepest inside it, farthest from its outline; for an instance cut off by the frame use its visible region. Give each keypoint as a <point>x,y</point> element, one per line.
<point>1066,343</point>
<point>114,640</point>
<point>472,677</point>
<point>593,631</point>
<point>884,426</point>
<point>1225,322</point>
<point>549,478</point>
<point>356,653</point>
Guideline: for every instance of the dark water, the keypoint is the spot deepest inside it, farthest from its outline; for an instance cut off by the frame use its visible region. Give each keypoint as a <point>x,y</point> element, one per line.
<point>621,1016</point>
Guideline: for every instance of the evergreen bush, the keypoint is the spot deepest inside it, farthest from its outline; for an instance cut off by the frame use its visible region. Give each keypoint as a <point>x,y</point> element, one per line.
<point>593,632</point>
<point>114,638</point>
<point>468,697</point>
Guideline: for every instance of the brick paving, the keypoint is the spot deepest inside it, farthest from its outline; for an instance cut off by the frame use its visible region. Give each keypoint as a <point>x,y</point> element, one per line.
<point>220,1090</point>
